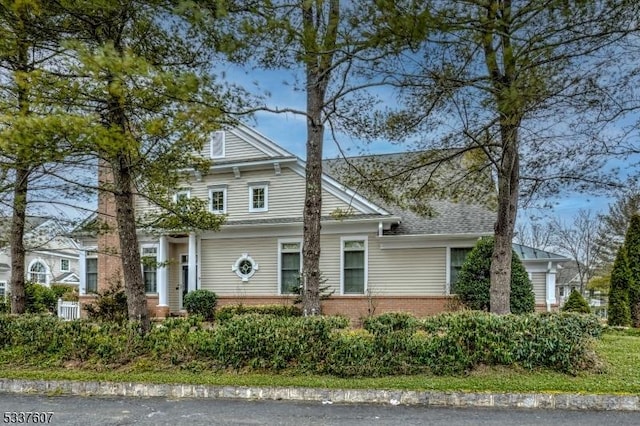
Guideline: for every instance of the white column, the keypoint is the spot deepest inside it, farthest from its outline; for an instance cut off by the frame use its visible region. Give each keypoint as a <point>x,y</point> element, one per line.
<point>163,271</point>
<point>192,262</point>
<point>82,271</point>
<point>551,285</point>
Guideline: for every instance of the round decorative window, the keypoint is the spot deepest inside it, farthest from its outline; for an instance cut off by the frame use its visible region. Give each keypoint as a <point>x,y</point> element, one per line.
<point>245,267</point>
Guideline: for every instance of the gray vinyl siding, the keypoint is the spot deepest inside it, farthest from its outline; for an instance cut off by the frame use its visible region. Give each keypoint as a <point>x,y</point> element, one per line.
<point>285,194</point>
<point>400,272</point>
<point>539,281</point>
<point>235,149</point>
<point>391,272</point>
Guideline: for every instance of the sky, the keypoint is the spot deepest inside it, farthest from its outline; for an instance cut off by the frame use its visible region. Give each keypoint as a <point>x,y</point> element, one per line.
<point>289,131</point>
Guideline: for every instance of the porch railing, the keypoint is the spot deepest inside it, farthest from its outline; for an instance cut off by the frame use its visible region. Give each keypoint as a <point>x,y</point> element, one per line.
<point>68,310</point>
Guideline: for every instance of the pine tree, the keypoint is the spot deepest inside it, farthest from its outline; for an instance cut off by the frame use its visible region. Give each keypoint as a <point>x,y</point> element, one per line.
<point>619,313</point>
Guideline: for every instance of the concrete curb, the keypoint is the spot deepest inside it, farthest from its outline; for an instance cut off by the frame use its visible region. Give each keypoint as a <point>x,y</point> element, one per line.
<point>394,397</point>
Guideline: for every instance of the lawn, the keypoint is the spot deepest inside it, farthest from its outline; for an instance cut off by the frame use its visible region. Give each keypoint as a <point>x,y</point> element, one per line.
<point>619,351</point>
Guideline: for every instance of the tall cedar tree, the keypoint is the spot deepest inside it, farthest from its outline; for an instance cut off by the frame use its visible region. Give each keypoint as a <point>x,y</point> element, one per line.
<point>618,310</point>
<point>632,247</point>
<point>138,74</point>
<point>493,69</point>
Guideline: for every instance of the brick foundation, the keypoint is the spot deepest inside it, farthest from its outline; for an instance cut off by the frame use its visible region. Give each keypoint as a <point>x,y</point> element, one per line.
<point>358,307</point>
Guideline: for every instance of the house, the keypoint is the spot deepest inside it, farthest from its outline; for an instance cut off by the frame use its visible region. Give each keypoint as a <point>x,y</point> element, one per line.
<point>52,256</point>
<point>376,257</point>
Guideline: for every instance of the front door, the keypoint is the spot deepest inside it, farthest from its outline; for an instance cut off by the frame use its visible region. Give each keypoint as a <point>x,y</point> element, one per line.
<point>184,278</point>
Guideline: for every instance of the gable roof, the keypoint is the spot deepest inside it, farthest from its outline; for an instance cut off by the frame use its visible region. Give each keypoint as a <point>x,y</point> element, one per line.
<point>446,215</point>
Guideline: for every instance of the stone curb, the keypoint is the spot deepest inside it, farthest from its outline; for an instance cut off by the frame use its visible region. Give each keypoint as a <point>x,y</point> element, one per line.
<point>394,397</point>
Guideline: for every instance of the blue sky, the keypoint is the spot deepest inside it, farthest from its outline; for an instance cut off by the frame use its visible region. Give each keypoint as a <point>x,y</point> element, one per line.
<point>289,131</point>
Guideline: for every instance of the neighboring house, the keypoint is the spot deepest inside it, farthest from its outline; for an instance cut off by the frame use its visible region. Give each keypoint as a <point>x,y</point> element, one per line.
<point>52,256</point>
<point>569,279</point>
<point>374,257</point>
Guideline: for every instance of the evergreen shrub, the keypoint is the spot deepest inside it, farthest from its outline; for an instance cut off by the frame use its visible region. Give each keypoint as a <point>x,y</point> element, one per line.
<point>226,312</point>
<point>474,281</point>
<point>201,302</point>
<point>39,298</point>
<point>576,303</point>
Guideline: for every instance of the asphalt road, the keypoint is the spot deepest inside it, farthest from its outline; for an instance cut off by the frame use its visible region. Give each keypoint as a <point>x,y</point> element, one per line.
<point>72,410</point>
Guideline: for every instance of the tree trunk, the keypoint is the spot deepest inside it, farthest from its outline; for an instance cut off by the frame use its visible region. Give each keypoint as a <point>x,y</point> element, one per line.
<point>131,263</point>
<point>312,214</point>
<point>508,178</point>
<point>17,241</point>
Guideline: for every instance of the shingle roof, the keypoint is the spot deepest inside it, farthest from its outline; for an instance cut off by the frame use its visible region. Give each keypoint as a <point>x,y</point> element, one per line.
<point>447,216</point>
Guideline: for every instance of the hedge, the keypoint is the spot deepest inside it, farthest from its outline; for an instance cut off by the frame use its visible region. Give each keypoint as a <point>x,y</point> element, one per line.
<point>390,344</point>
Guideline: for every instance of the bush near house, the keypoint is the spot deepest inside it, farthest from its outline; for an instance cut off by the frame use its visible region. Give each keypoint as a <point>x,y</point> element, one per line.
<point>226,312</point>
<point>201,302</point>
<point>576,303</point>
<point>39,298</point>
<point>110,305</point>
<point>474,280</point>
<point>391,344</point>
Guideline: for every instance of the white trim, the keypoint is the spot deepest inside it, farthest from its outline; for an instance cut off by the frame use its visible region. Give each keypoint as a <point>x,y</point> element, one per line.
<point>280,242</point>
<point>185,191</point>
<point>448,263</point>
<point>47,271</point>
<point>220,188</point>
<point>236,267</point>
<point>343,240</point>
<point>221,134</point>
<point>162,280</point>
<point>193,257</point>
<point>68,268</point>
<point>388,242</point>
<point>142,247</point>
<point>71,279</point>
<point>259,185</point>
<point>335,188</point>
<point>182,284</point>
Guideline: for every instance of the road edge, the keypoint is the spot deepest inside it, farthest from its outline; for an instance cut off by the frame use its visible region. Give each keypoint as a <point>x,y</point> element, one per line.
<point>566,401</point>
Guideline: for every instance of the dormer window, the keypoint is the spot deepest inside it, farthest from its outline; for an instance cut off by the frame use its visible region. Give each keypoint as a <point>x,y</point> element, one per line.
<point>218,145</point>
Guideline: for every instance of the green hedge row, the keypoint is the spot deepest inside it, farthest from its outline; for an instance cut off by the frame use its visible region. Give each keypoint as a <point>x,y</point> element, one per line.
<point>387,345</point>
<point>226,312</point>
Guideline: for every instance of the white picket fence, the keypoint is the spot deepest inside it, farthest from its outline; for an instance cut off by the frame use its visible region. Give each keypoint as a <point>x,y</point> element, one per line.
<point>68,310</point>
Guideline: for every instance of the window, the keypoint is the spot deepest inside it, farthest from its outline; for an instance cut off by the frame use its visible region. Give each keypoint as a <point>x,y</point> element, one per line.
<point>457,257</point>
<point>3,290</point>
<point>290,266</point>
<point>64,265</point>
<point>258,197</point>
<point>218,200</point>
<point>38,272</point>
<point>354,266</point>
<point>218,145</point>
<point>183,194</point>
<point>245,267</point>
<point>149,268</point>
<point>91,275</point>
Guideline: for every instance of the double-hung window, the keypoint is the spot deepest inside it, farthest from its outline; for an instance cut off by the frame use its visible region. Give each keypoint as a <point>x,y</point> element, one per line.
<point>354,265</point>
<point>38,272</point>
<point>64,265</point>
<point>3,290</point>
<point>457,257</point>
<point>183,194</point>
<point>258,197</point>
<point>91,275</point>
<point>149,268</point>
<point>290,265</point>
<point>218,199</point>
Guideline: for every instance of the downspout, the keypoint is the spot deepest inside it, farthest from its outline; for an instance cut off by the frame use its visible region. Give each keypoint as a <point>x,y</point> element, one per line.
<point>380,229</point>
